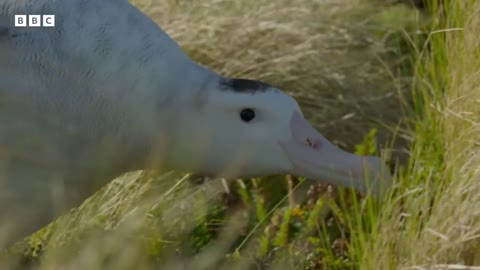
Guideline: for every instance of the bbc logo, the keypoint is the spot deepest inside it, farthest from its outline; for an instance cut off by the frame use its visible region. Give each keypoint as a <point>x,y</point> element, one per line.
<point>34,20</point>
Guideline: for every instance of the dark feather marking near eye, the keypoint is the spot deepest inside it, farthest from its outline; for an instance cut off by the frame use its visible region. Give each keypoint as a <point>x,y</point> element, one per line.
<point>244,85</point>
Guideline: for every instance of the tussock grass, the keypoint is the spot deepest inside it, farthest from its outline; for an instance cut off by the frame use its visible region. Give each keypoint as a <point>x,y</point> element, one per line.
<point>434,222</point>
<point>350,64</point>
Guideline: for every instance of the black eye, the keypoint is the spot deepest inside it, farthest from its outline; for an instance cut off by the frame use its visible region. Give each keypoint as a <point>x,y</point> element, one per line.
<point>247,115</point>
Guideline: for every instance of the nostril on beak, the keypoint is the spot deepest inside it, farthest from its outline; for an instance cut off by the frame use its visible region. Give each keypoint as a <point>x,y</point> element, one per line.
<point>311,143</point>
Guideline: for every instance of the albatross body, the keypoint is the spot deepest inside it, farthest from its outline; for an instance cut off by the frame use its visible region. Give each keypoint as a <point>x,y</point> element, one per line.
<point>106,91</point>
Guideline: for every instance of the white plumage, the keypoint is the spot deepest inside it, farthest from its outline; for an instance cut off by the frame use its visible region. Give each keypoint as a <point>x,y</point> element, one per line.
<point>106,91</point>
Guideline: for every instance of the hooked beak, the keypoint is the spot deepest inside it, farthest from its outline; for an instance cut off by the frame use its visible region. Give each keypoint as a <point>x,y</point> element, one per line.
<point>313,156</point>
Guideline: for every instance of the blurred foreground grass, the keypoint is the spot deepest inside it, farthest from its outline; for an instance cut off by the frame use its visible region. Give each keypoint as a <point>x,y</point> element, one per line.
<point>350,63</point>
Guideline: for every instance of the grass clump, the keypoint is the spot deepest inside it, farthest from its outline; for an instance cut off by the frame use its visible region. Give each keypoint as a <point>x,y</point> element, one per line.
<point>433,223</point>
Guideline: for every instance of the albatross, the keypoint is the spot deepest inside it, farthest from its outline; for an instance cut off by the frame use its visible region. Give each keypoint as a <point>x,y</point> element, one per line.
<point>106,91</point>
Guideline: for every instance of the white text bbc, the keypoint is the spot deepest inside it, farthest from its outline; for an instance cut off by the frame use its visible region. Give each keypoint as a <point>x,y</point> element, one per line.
<point>34,20</point>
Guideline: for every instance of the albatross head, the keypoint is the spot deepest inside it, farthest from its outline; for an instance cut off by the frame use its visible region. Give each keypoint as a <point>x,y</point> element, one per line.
<point>246,128</point>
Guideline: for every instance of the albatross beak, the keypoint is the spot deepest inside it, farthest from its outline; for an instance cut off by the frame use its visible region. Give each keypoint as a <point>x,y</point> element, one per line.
<point>314,157</point>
